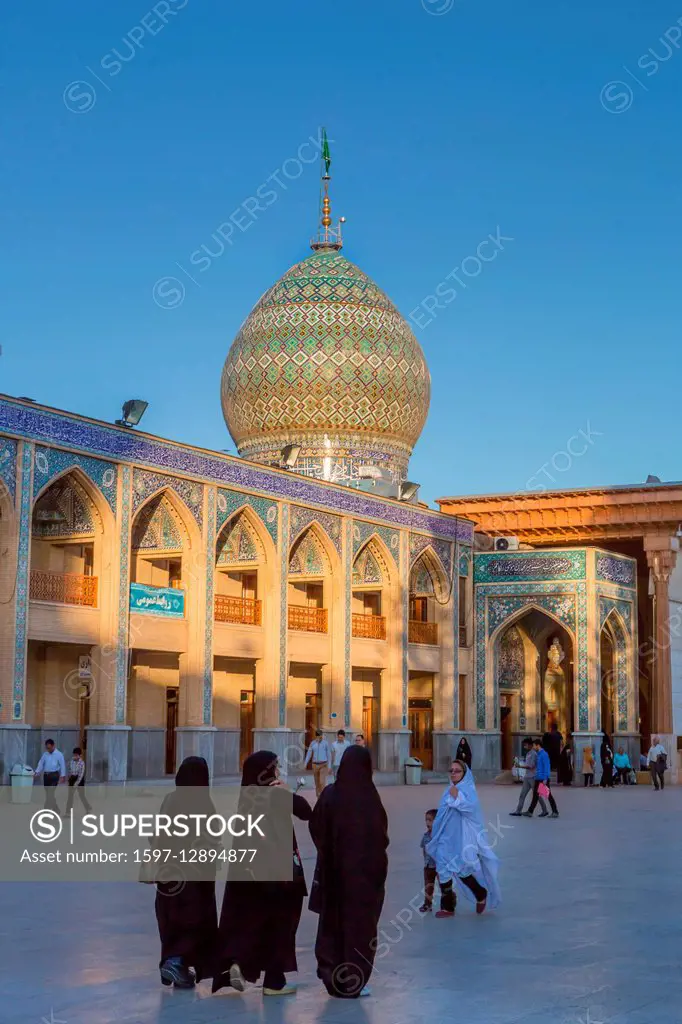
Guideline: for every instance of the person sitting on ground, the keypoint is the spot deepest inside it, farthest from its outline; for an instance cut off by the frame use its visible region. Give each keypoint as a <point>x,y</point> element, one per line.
<point>623,766</point>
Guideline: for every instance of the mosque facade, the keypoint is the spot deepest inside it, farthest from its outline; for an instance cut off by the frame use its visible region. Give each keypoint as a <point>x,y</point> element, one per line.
<point>159,600</point>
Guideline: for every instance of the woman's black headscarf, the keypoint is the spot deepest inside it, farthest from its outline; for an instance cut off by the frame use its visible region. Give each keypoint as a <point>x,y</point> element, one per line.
<point>193,772</point>
<point>464,751</point>
<point>260,769</point>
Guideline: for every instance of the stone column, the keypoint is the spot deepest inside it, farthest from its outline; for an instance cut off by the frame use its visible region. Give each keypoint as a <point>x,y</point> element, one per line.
<point>272,675</point>
<point>13,729</point>
<point>196,735</point>
<point>394,736</point>
<point>446,690</point>
<point>661,552</point>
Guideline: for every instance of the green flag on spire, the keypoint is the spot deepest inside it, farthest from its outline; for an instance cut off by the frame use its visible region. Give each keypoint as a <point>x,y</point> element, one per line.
<point>326,155</point>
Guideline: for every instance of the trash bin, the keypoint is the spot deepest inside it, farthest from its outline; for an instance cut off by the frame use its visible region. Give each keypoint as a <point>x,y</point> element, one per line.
<point>22,783</point>
<point>413,771</point>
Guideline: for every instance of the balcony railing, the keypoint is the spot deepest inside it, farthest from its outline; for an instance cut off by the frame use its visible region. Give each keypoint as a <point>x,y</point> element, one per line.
<point>63,588</point>
<point>312,620</point>
<point>242,610</point>
<point>372,627</point>
<point>422,632</point>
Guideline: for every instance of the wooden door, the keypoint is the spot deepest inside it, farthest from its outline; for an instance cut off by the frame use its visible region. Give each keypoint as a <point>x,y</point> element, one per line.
<point>247,723</point>
<point>421,728</point>
<point>506,729</point>
<point>84,714</point>
<point>313,711</point>
<point>369,724</point>
<point>171,726</point>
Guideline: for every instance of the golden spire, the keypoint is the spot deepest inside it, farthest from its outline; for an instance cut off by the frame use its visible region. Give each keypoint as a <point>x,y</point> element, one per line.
<point>328,237</point>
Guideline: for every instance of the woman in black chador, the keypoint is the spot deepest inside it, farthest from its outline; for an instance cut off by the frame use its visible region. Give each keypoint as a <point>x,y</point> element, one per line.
<point>463,752</point>
<point>350,831</point>
<point>185,901</point>
<point>258,920</point>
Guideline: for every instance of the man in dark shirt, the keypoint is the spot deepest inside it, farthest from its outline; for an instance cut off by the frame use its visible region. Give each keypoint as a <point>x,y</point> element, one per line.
<point>552,742</point>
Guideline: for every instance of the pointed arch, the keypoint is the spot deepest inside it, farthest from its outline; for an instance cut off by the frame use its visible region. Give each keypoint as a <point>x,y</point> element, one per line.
<point>617,632</point>
<point>323,537</point>
<point>312,553</point>
<point>427,575</point>
<point>519,613</point>
<point>85,492</point>
<point>376,546</point>
<point>183,520</point>
<point>264,541</point>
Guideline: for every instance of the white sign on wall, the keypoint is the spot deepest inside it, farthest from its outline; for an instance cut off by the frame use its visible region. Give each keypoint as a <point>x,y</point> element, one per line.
<point>84,666</point>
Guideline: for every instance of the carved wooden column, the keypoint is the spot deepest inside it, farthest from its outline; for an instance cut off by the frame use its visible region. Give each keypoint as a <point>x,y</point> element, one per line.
<point>661,552</point>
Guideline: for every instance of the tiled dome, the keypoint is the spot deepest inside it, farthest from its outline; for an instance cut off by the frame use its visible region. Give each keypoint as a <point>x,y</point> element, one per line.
<point>326,361</point>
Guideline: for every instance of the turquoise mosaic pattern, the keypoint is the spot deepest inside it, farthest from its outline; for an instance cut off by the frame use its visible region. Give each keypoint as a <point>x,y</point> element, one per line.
<point>67,499</point>
<point>21,587</point>
<point>366,569</point>
<point>210,591</point>
<point>237,544</point>
<point>155,528</point>
<point>511,662</point>
<point>109,442</point>
<point>464,561</point>
<point>363,531</point>
<point>347,624</point>
<point>405,599</point>
<point>561,606</point>
<point>190,493</point>
<point>228,502</point>
<point>8,464</point>
<point>123,599</point>
<point>514,566</point>
<point>623,601</point>
<point>607,605</point>
<point>283,621</point>
<point>441,548</point>
<point>501,602</point>
<point>616,569</point>
<point>326,355</point>
<point>308,558</point>
<point>303,517</point>
<point>52,462</point>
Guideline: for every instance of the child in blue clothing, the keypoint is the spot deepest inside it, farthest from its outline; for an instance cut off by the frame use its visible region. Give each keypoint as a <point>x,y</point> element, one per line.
<point>542,774</point>
<point>429,864</point>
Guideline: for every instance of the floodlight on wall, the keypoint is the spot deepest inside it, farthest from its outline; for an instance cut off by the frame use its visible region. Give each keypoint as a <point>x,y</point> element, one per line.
<point>132,412</point>
<point>289,456</point>
<point>408,491</point>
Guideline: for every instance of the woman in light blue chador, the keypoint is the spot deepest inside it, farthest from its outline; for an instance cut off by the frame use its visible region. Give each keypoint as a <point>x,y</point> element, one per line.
<point>461,848</point>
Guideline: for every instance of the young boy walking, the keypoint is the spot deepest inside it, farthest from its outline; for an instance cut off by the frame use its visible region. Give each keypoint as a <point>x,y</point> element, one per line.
<point>77,782</point>
<point>429,864</point>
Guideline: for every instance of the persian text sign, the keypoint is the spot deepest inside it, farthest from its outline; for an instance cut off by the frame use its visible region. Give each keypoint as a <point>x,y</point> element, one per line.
<point>157,600</point>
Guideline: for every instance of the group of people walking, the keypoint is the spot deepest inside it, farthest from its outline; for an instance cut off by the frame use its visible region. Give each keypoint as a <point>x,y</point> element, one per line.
<point>541,757</point>
<point>255,933</point>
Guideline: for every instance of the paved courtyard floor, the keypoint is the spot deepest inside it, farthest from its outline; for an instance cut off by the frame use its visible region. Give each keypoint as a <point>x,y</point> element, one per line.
<point>590,930</point>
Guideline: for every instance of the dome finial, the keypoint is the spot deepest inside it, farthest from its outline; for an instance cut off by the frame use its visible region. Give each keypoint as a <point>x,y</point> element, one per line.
<point>328,237</point>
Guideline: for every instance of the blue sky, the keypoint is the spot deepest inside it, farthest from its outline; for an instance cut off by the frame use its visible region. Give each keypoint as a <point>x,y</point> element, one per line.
<point>450,122</point>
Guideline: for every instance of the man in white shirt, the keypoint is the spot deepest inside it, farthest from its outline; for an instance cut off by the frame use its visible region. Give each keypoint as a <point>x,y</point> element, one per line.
<point>319,753</point>
<point>339,747</point>
<point>53,769</point>
<point>657,758</point>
